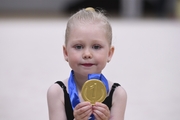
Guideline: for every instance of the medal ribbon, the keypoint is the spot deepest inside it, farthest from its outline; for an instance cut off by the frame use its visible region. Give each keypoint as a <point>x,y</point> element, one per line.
<point>73,93</point>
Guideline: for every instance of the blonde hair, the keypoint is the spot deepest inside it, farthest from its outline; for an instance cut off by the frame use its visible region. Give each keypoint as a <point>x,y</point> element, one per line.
<point>89,15</point>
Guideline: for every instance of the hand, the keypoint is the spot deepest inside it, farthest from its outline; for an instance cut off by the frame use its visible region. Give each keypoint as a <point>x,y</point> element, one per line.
<point>101,111</point>
<point>82,111</point>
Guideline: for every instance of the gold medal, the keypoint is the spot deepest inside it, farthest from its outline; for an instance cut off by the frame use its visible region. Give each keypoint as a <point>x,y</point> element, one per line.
<point>93,91</point>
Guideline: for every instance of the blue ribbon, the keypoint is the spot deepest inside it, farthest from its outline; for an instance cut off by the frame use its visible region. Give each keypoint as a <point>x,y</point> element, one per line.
<point>73,92</point>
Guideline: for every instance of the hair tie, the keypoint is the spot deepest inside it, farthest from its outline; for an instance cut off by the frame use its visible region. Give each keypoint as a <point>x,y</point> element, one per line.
<point>90,9</point>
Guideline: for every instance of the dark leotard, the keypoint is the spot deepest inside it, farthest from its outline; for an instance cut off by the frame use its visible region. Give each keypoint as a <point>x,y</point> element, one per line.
<point>68,107</point>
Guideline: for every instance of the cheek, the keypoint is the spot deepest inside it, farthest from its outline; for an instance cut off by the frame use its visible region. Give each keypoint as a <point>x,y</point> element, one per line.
<point>102,55</point>
<point>101,59</point>
<point>73,61</point>
<point>73,57</point>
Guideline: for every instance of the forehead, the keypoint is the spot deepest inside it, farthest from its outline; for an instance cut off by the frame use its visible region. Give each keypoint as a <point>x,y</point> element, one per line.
<point>89,28</point>
<point>87,31</point>
<point>88,25</point>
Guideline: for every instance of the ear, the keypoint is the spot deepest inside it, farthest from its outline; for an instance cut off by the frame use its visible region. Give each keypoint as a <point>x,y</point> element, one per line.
<point>110,54</point>
<point>65,53</point>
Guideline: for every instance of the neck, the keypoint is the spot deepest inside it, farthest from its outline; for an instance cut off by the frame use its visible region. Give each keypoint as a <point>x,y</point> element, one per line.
<point>80,80</point>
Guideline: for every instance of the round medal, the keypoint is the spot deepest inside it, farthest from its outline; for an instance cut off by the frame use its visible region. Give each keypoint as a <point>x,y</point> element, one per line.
<point>93,91</point>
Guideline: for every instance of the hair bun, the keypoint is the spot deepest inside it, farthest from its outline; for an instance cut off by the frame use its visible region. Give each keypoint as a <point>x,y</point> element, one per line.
<point>90,9</point>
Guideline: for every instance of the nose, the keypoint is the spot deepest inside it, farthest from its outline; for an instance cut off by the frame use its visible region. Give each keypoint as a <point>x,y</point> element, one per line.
<point>87,54</point>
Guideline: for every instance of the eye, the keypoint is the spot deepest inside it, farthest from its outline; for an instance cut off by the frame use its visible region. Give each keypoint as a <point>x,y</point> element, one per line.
<point>78,47</point>
<point>96,47</point>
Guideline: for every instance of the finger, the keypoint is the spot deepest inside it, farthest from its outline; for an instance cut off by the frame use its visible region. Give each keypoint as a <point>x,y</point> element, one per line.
<point>101,111</point>
<point>83,110</point>
<point>83,116</point>
<point>82,104</point>
<point>86,114</point>
<point>99,115</point>
<point>101,105</point>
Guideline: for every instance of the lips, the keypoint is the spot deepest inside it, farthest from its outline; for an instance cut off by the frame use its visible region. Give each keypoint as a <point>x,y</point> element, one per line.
<point>87,64</point>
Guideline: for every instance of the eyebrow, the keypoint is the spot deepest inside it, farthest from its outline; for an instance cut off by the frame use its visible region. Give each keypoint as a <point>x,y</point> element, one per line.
<point>81,41</point>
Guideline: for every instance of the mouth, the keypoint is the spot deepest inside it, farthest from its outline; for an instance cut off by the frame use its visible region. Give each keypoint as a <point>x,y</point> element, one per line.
<point>87,64</point>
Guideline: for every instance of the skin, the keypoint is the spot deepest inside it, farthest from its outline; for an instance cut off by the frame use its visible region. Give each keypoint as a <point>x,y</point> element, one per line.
<point>87,51</point>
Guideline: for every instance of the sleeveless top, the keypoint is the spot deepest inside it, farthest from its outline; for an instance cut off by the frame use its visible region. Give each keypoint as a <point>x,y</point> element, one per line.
<point>68,107</point>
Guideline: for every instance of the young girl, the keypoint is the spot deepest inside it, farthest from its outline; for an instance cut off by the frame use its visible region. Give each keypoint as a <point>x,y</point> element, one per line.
<point>87,49</point>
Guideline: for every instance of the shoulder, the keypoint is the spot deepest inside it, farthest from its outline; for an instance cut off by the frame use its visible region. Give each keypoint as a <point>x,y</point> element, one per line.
<point>120,93</point>
<point>54,91</point>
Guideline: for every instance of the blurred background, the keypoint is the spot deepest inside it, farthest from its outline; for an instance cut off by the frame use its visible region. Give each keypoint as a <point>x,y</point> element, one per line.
<point>146,36</point>
<point>122,8</point>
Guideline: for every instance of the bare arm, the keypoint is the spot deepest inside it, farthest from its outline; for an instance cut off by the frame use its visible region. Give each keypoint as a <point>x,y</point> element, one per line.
<point>55,100</point>
<point>118,104</point>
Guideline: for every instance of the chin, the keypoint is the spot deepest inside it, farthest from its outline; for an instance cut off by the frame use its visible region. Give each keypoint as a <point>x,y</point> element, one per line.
<point>85,72</point>
<point>91,72</point>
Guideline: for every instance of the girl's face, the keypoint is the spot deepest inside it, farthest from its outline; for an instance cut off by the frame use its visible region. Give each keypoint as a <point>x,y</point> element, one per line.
<point>87,49</point>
